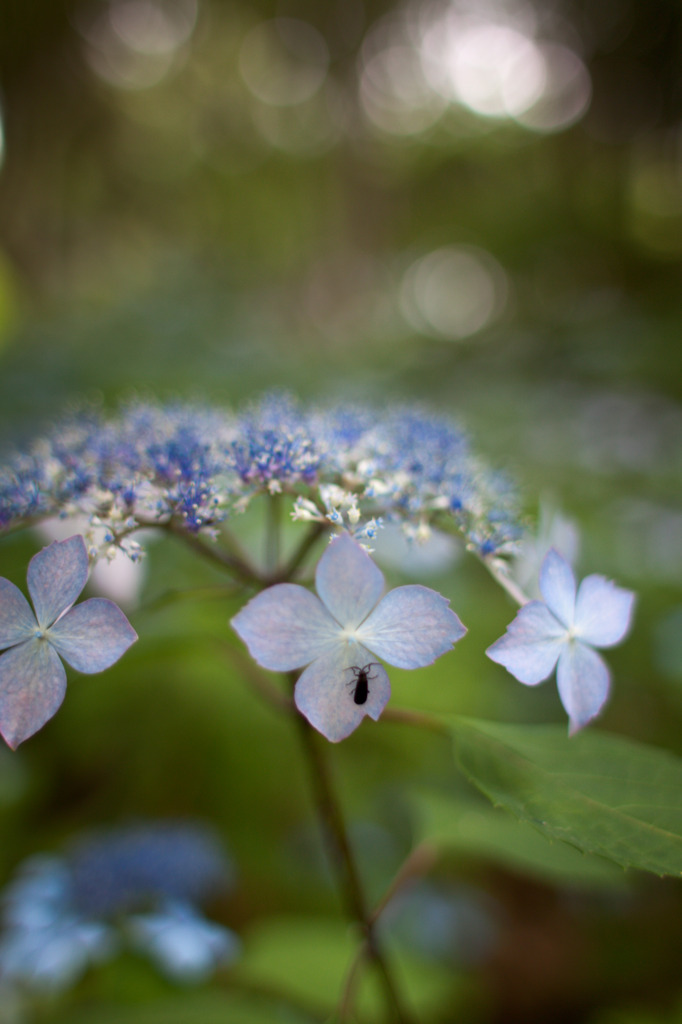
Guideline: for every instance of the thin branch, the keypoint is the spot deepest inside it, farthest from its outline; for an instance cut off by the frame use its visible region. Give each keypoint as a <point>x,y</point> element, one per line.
<point>273,534</point>
<point>289,569</point>
<point>258,679</point>
<point>342,857</point>
<point>506,582</point>
<point>404,716</point>
<point>419,863</point>
<point>351,983</point>
<point>218,556</point>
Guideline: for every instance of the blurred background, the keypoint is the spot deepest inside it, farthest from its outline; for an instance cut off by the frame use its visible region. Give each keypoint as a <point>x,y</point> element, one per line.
<point>476,203</point>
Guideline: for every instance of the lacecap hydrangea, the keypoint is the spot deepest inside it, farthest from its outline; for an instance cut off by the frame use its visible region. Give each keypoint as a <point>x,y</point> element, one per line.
<point>340,469</point>
<point>197,466</point>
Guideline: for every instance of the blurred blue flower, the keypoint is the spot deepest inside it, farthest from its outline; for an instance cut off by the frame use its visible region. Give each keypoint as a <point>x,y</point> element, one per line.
<point>140,886</point>
<point>337,634</point>
<point>141,865</point>
<point>562,632</point>
<point>455,925</point>
<point>46,943</point>
<point>90,637</point>
<point>182,943</point>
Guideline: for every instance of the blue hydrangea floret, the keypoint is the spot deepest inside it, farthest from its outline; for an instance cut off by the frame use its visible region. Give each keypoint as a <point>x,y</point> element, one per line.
<point>90,637</point>
<point>562,632</point>
<point>347,466</point>
<point>339,634</point>
<point>139,887</point>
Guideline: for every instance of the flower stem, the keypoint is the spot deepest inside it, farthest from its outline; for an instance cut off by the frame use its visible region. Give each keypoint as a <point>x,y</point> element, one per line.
<point>341,854</point>
<point>236,566</point>
<point>405,716</point>
<point>288,570</point>
<point>273,530</point>
<point>418,864</point>
<point>506,582</point>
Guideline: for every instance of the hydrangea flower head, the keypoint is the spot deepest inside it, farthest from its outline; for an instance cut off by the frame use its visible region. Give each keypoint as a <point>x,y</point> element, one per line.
<point>563,632</point>
<point>90,636</point>
<point>339,634</point>
<point>126,869</point>
<point>184,944</point>
<point>46,944</point>
<point>196,466</point>
<point>56,920</point>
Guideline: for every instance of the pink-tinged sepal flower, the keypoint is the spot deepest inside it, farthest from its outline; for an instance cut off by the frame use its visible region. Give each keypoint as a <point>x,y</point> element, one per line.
<point>340,634</point>
<point>90,637</point>
<point>562,632</point>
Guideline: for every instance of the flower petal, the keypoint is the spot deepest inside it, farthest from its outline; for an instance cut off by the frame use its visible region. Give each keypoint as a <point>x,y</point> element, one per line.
<point>56,576</point>
<point>17,621</point>
<point>325,692</point>
<point>286,627</point>
<point>557,586</point>
<point>93,635</point>
<point>184,944</point>
<point>348,581</point>
<point>32,686</point>
<point>602,611</point>
<point>583,680</point>
<point>532,644</point>
<point>411,627</point>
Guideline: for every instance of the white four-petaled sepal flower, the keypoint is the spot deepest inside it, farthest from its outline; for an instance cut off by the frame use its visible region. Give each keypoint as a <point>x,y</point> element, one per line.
<point>563,631</point>
<point>90,636</point>
<point>340,634</point>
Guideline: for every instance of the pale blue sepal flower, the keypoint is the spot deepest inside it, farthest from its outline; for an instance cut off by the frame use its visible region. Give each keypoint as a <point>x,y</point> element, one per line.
<point>46,944</point>
<point>90,637</point>
<point>325,691</point>
<point>184,944</point>
<point>342,632</point>
<point>53,957</point>
<point>562,632</point>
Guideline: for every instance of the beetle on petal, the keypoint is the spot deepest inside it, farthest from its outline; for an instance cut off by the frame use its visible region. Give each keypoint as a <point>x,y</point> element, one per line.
<point>346,627</point>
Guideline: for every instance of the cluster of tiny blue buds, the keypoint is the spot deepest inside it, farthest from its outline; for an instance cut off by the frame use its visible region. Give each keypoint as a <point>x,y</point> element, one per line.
<point>353,466</point>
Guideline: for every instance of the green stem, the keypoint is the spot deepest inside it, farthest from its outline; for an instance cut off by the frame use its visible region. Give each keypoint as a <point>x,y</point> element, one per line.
<point>349,989</point>
<point>506,582</point>
<point>495,566</point>
<point>419,863</point>
<point>258,679</point>
<point>341,854</point>
<point>273,532</point>
<point>235,565</point>
<point>405,716</point>
<point>289,569</point>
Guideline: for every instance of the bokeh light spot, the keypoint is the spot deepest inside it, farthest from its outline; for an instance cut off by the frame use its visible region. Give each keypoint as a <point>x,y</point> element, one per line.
<point>148,26</point>
<point>453,292</point>
<point>134,44</point>
<point>566,94</point>
<point>495,70</point>
<point>284,61</point>
<point>395,94</point>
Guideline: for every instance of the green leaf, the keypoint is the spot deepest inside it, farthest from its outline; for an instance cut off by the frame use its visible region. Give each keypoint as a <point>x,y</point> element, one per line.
<point>475,829</point>
<point>601,793</point>
<point>200,1008</point>
<point>308,960</point>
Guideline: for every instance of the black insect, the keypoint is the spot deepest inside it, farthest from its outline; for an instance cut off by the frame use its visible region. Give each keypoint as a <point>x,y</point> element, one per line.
<point>360,683</point>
